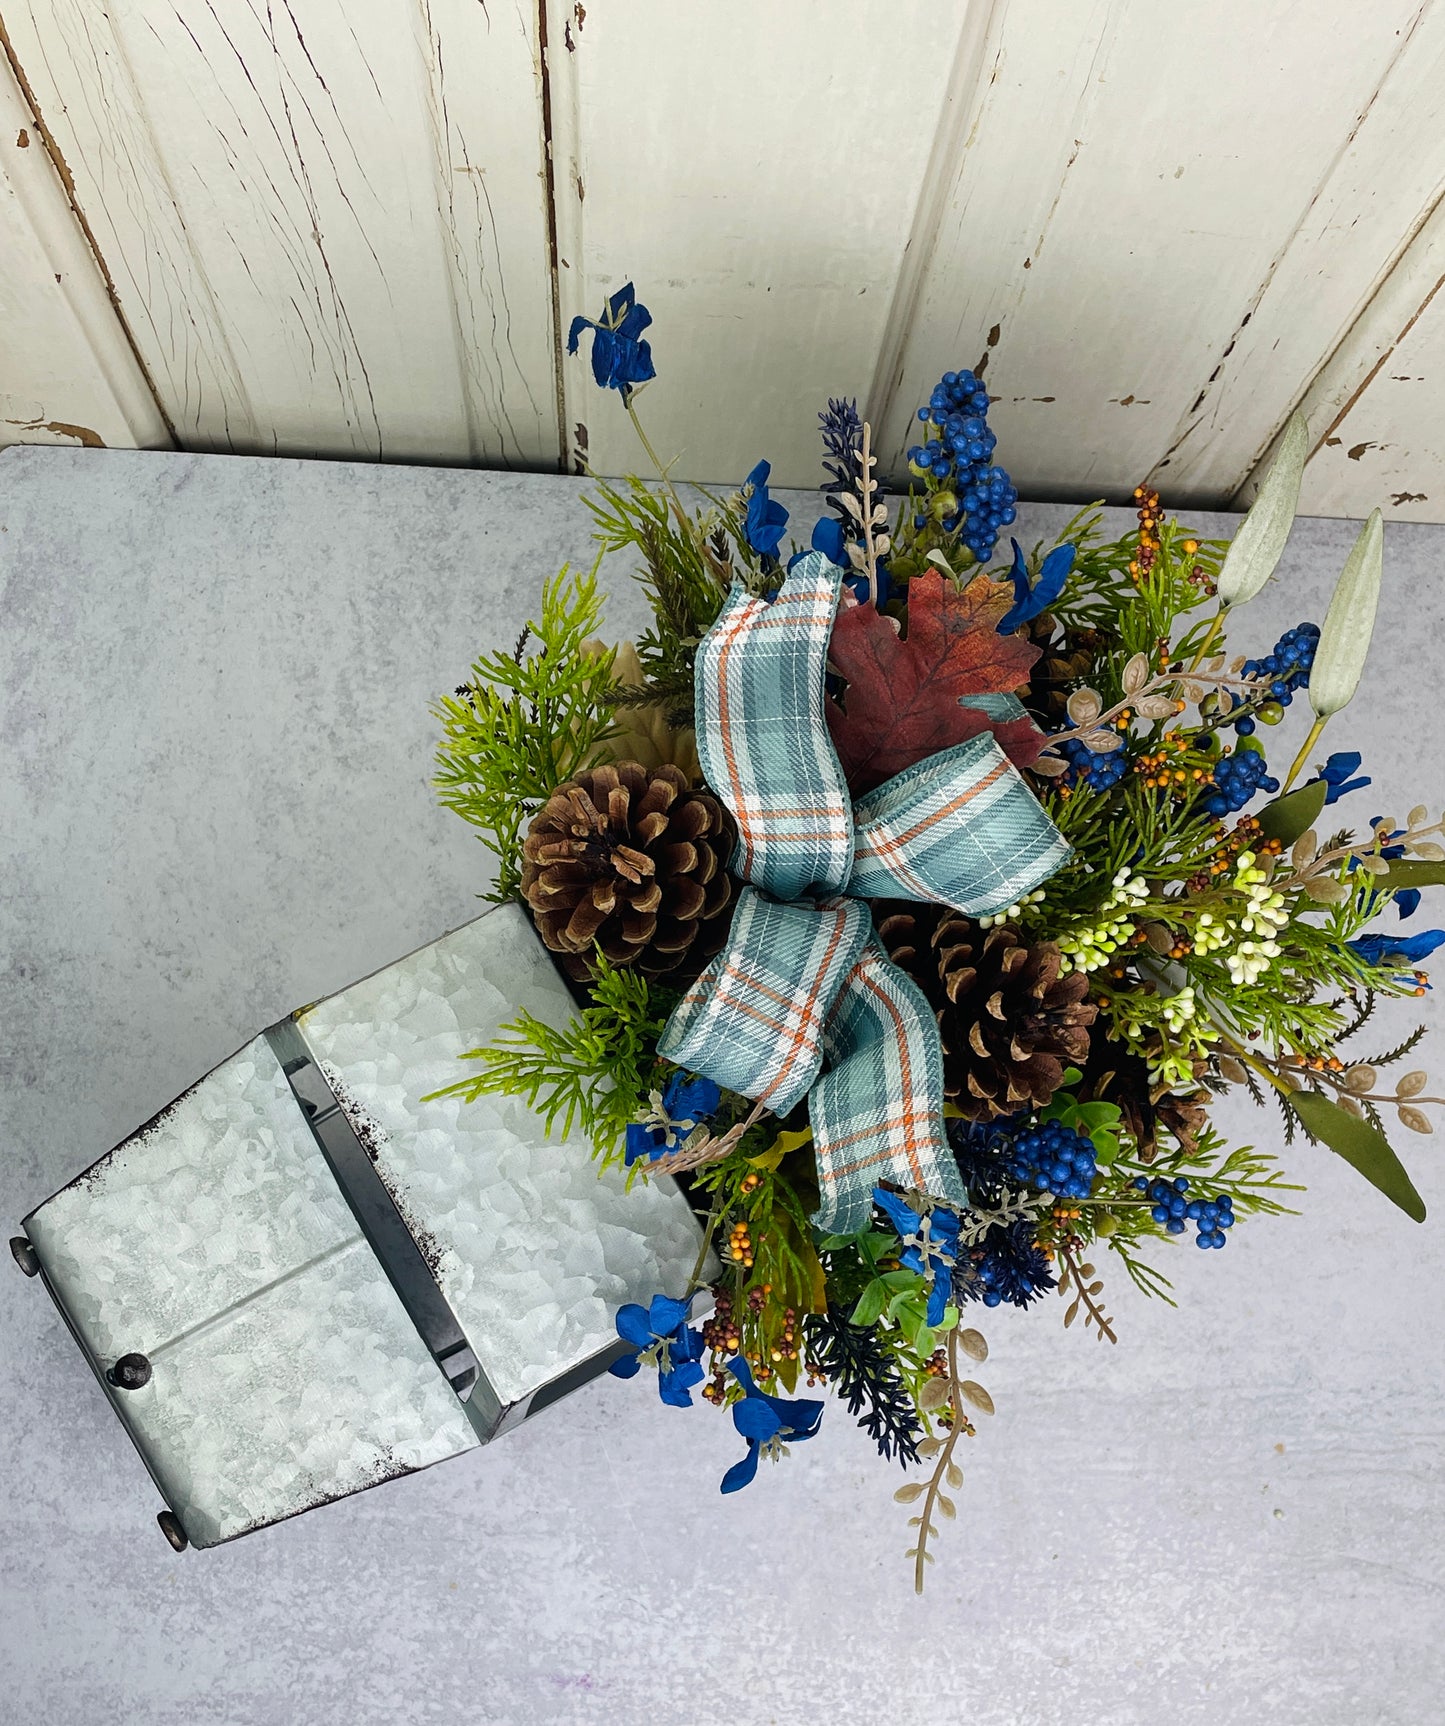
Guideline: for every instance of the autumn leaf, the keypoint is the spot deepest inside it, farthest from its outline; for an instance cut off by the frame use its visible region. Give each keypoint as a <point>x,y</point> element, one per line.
<point>902,700</point>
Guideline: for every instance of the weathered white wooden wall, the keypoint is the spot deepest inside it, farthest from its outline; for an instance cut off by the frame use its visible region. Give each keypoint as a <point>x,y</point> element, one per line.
<point>361,227</point>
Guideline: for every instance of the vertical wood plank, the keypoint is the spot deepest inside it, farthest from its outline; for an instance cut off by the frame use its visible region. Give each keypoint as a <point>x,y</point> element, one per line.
<point>754,169</point>
<point>324,217</point>
<point>1131,178</point>
<point>1374,414</point>
<point>67,372</point>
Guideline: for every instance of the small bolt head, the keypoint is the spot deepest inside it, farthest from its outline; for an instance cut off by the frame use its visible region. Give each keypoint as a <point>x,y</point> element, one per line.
<point>170,1525</point>
<point>24,1255</point>
<point>130,1372</point>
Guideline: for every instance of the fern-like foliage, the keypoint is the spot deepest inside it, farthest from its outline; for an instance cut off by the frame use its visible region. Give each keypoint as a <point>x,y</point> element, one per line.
<point>526,721</point>
<point>868,1378</point>
<point>684,574</point>
<point>593,1073</point>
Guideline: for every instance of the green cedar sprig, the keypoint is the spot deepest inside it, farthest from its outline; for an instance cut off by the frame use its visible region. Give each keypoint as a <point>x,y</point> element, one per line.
<point>593,1073</point>
<point>526,721</point>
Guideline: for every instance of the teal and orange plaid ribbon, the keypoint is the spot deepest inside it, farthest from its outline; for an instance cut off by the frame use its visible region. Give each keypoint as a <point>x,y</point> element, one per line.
<point>802,1001</point>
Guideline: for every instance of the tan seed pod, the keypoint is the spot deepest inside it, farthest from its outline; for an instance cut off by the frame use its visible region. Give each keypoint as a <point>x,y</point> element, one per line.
<point>1135,674</point>
<point>1102,742</point>
<point>935,1394</point>
<point>1154,707</point>
<point>1411,1084</point>
<point>907,1494</point>
<point>1233,1070</point>
<point>973,1345</point>
<point>946,1505</point>
<point>1351,1107</point>
<point>1361,1077</point>
<point>1375,864</point>
<point>1429,850</point>
<point>930,1446</point>
<point>1304,848</point>
<point>1415,1119</point>
<point>977,1395</point>
<point>1049,767</point>
<point>954,1475</point>
<point>1325,889</point>
<point>1419,815</point>
<point>1083,706</point>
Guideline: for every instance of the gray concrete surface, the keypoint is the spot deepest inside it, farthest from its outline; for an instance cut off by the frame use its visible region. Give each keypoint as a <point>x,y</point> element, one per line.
<point>214,807</point>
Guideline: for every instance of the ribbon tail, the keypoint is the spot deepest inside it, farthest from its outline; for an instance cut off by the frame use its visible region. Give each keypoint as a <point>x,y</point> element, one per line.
<point>877,1113</point>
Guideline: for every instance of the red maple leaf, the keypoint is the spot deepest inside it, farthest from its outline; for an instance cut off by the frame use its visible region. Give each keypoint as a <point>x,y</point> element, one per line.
<point>902,701</point>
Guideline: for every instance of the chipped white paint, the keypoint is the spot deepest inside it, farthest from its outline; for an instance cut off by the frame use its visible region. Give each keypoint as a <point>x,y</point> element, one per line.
<point>325,220</point>
<point>330,225</point>
<point>67,373</point>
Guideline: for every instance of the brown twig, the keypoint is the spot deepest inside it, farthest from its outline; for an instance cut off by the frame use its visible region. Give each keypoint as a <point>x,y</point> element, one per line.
<point>1082,1292</point>
<point>705,1148</point>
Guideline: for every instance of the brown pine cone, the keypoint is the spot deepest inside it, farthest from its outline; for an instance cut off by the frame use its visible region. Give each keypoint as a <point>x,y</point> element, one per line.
<point>1009,1020</point>
<point>633,860</point>
<point>1114,1074</point>
<point>1061,666</point>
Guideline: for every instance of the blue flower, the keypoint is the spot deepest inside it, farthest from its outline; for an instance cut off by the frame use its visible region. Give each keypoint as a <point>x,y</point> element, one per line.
<point>620,359</point>
<point>828,538</point>
<point>1407,902</point>
<point>1032,602</point>
<point>765,520</point>
<point>1398,949</point>
<point>930,1246</point>
<point>660,1336</point>
<point>672,1116</point>
<point>765,1422</point>
<point>1337,772</point>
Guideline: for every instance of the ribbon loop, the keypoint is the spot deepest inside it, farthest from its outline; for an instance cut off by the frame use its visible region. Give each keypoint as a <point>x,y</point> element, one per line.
<point>753,1021</point>
<point>762,737</point>
<point>961,829</point>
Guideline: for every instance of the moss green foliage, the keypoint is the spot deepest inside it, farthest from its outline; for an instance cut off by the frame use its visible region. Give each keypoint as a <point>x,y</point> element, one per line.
<point>594,1073</point>
<point>526,721</point>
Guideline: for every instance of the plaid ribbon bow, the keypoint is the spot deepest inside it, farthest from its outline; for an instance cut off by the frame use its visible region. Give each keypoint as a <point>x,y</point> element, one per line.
<point>801,1001</point>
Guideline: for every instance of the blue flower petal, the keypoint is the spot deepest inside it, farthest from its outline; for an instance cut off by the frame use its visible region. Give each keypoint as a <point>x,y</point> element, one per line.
<point>828,538</point>
<point>755,1418</point>
<point>903,1216</point>
<point>690,1099</point>
<point>642,1141</point>
<point>1407,901</point>
<point>632,1325</point>
<point>1029,604</point>
<point>765,519</point>
<point>675,1387</point>
<point>665,1315</point>
<point>625,1366</point>
<point>741,1473</point>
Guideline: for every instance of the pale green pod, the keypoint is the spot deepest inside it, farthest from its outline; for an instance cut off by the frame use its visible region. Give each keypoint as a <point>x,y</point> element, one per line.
<point>1349,623</point>
<point>1255,550</point>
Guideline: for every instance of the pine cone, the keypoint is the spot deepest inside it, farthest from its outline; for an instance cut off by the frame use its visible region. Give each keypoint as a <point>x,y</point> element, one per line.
<point>1114,1074</point>
<point>631,859</point>
<point>1008,1020</point>
<point>1061,666</point>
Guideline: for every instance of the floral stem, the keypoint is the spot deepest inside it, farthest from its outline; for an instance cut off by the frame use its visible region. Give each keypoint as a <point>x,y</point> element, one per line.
<point>1216,623</point>
<point>694,1281</point>
<point>1304,753</point>
<point>940,1468</point>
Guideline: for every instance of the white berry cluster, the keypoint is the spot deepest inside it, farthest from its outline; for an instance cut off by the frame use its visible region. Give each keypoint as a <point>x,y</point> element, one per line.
<point>1012,913</point>
<point>1091,949</point>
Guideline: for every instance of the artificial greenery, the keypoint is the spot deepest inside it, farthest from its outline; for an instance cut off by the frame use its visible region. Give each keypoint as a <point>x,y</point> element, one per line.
<point>1230,939</point>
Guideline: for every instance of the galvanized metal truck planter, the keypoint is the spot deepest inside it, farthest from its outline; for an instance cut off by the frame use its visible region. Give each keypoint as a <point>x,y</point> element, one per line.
<point>301,1279</point>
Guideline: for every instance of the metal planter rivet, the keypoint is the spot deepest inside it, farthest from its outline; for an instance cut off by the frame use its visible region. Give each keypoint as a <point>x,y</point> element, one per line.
<point>130,1372</point>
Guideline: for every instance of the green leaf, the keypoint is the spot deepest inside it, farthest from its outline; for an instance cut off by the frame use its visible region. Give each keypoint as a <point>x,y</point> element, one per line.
<point>1106,1149</point>
<point>1362,1146</point>
<point>1293,814</point>
<point>870,1305</point>
<point>902,1280</point>
<point>1409,872</point>
<point>1349,623</point>
<point>1256,549</point>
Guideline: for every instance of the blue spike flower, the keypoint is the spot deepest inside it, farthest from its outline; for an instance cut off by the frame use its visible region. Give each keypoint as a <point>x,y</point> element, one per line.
<point>1338,774</point>
<point>660,1336</point>
<point>765,1422</point>
<point>930,1245</point>
<point>1033,602</point>
<point>765,520</point>
<point>1398,949</point>
<point>671,1116</point>
<point>621,360</point>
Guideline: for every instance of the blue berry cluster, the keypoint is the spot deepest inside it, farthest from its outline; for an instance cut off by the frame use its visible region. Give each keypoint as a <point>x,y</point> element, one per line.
<point>1090,767</point>
<point>958,457</point>
<point>1211,1217</point>
<point>1288,667</point>
<point>1054,1159</point>
<point>1010,1267</point>
<point>1236,779</point>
